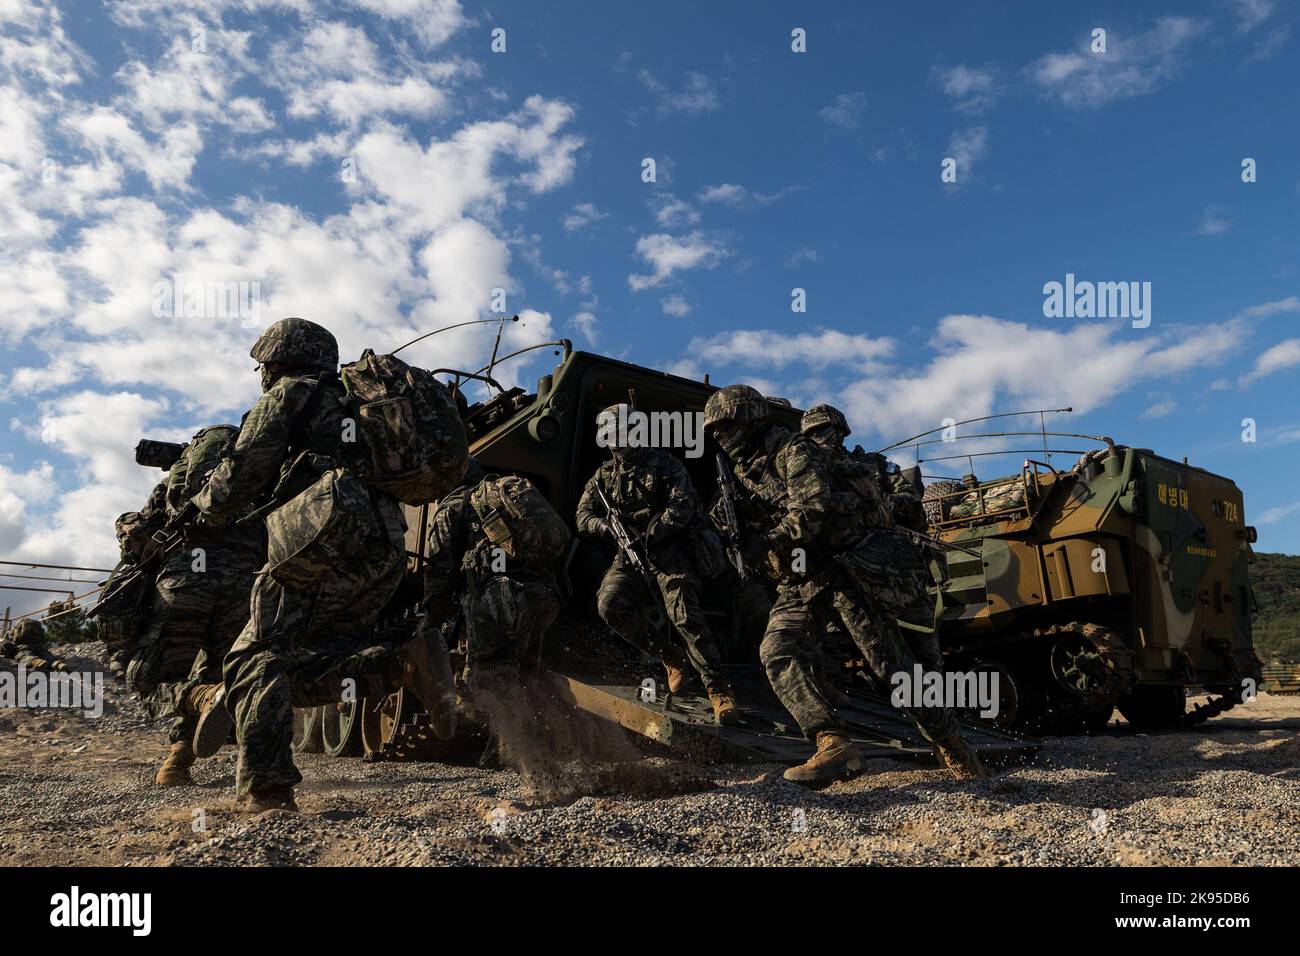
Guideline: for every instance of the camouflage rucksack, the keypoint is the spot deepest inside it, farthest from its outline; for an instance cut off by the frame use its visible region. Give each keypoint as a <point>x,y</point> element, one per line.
<point>854,490</point>
<point>518,520</point>
<point>191,470</point>
<point>413,443</point>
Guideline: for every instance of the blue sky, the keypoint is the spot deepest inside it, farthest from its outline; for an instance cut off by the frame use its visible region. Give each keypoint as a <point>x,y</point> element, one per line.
<point>133,147</point>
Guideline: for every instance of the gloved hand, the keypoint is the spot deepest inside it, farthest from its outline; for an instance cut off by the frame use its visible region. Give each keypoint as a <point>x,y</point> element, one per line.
<point>599,528</point>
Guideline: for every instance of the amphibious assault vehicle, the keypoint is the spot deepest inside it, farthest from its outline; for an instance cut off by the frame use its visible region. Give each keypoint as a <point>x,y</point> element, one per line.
<point>1120,582</point>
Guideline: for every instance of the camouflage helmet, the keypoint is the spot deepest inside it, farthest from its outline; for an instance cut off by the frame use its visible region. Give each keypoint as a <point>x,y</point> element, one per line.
<point>609,417</point>
<point>741,404</point>
<point>821,415</point>
<point>297,343</point>
<point>28,632</point>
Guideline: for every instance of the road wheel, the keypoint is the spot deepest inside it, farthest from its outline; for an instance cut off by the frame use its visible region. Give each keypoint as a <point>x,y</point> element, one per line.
<point>1019,700</point>
<point>307,730</point>
<point>382,720</point>
<point>341,729</point>
<point>1085,680</point>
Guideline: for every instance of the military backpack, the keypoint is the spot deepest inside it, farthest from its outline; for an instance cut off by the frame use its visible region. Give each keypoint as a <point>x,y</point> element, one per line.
<point>413,442</point>
<point>518,520</point>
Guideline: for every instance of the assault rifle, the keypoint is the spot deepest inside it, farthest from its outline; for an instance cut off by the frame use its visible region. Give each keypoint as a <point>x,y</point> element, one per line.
<point>632,547</point>
<point>730,521</point>
<point>938,544</point>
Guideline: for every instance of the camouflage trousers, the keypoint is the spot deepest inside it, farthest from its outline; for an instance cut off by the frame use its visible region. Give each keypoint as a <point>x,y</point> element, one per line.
<point>194,619</point>
<point>505,622</point>
<point>303,647</point>
<point>870,617</point>
<point>627,609</point>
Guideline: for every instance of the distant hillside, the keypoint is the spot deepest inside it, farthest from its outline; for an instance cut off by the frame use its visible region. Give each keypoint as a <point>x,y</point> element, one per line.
<point>1276,579</point>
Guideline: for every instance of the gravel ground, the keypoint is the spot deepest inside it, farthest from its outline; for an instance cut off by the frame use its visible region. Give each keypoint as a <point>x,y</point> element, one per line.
<point>79,791</point>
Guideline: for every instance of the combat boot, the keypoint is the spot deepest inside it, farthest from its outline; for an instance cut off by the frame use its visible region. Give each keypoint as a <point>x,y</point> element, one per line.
<point>724,704</point>
<point>837,756</point>
<point>426,673</point>
<point>175,769</point>
<point>959,757</point>
<point>215,720</point>
<point>678,668</point>
<point>272,798</point>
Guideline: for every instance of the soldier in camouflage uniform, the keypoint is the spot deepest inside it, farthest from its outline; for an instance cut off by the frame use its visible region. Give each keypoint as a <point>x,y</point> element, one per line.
<point>655,496</point>
<point>24,644</point>
<point>827,426</point>
<point>200,605</point>
<point>500,579</point>
<point>310,635</point>
<point>846,566</point>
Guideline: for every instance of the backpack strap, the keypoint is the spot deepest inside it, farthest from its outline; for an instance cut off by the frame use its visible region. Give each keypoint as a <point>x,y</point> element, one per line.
<point>317,396</point>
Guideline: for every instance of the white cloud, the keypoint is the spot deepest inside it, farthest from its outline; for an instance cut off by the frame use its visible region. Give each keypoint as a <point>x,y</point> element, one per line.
<point>845,111</point>
<point>191,85</point>
<point>1251,13</point>
<point>166,161</point>
<point>981,365</point>
<point>697,94</point>
<point>728,193</point>
<point>1133,64</point>
<point>668,255</point>
<point>433,21</point>
<point>588,325</point>
<point>1278,513</point>
<point>1212,224</point>
<point>737,196</point>
<point>33,44</point>
<point>1160,409</point>
<point>763,347</point>
<point>449,178</point>
<point>972,89</point>
<point>93,429</point>
<point>582,216</point>
<point>1290,304</point>
<point>336,69</point>
<point>967,146</point>
<point>676,305</point>
<point>1284,355</point>
<point>800,256</point>
<point>673,213</point>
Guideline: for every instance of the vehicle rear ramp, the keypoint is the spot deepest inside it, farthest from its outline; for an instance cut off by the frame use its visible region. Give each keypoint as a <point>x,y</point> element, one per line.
<point>684,723</point>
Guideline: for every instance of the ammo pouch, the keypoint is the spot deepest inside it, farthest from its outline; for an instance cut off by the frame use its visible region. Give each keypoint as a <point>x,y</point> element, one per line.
<point>311,533</point>
<point>120,614</point>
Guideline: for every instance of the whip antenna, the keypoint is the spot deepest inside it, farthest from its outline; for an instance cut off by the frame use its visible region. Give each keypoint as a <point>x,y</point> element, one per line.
<point>448,328</point>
